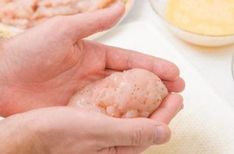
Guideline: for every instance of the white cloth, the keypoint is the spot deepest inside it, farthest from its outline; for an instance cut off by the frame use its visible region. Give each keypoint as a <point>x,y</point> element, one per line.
<point>206,125</point>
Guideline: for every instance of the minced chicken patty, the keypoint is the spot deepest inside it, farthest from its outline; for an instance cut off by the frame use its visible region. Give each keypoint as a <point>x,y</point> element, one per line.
<point>129,94</point>
<point>26,13</point>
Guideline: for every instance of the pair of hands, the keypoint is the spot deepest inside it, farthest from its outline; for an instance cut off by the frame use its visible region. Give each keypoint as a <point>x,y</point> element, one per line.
<point>48,64</point>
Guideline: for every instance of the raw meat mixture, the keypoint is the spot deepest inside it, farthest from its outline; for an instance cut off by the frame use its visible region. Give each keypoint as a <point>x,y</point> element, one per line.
<point>129,94</point>
<point>26,13</point>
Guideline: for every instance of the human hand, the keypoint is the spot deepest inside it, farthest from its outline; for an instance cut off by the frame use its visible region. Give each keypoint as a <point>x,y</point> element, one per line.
<point>46,65</point>
<point>68,130</point>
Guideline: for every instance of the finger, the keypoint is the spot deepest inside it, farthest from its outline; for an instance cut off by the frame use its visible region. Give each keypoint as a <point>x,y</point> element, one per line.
<point>136,132</point>
<point>175,86</point>
<point>123,150</point>
<point>83,25</point>
<point>121,59</point>
<point>168,109</point>
<point>132,150</point>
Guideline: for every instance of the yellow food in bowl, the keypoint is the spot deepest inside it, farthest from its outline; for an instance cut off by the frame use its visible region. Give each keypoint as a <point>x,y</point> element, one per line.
<point>207,17</point>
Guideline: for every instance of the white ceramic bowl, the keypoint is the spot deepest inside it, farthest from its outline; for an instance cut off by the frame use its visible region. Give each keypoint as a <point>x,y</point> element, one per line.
<point>159,7</point>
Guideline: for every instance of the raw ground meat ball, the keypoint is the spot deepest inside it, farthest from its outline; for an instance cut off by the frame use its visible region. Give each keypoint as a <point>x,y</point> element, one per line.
<point>129,94</point>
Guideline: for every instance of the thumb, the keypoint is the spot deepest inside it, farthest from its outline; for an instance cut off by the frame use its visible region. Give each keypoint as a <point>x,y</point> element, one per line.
<point>86,24</point>
<point>138,132</point>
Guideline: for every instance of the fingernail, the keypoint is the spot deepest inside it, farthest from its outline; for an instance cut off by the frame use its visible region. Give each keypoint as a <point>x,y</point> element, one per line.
<point>162,134</point>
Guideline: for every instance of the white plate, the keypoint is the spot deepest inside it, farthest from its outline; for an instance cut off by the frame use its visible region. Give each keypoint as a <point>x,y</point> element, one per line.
<point>9,31</point>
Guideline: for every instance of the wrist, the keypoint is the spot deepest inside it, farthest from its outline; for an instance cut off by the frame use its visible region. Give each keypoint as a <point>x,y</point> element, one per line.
<point>19,136</point>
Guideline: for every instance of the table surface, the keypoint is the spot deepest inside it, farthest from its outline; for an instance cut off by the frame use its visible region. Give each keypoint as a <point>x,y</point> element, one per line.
<point>213,64</point>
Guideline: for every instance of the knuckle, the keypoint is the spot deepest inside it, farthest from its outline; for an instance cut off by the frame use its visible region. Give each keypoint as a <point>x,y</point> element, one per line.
<point>159,137</point>
<point>136,137</point>
<point>151,137</point>
<point>144,134</point>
